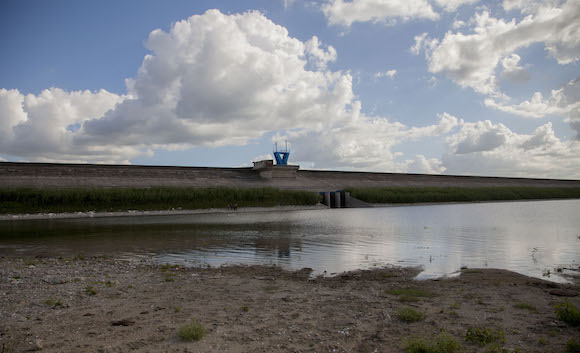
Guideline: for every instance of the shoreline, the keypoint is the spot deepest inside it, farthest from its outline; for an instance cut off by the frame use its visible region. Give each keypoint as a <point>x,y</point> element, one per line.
<point>137,213</point>
<point>102,304</point>
<point>176,212</point>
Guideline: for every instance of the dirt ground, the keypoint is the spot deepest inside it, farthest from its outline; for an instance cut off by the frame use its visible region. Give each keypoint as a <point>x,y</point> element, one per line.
<point>109,305</point>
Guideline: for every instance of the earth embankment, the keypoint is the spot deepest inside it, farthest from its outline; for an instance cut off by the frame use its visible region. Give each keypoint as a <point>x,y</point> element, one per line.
<point>52,175</point>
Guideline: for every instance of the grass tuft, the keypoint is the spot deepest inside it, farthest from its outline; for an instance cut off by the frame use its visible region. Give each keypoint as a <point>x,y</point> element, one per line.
<point>193,331</point>
<point>90,290</point>
<point>442,343</point>
<point>409,315</point>
<point>526,306</point>
<point>568,312</point>
<point>53,303</point>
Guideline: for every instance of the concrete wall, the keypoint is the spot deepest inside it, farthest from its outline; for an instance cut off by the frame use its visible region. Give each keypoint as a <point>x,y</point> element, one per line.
<point>91,175</point>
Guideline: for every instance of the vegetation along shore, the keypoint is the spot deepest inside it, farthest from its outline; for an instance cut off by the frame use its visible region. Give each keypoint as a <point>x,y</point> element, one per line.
<point>390,195</point>
<point>98,304</point>
<point>37,200</point>
<point>62,200</point>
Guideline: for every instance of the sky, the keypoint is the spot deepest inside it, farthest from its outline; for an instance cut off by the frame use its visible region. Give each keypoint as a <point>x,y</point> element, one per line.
<point>462,87</point>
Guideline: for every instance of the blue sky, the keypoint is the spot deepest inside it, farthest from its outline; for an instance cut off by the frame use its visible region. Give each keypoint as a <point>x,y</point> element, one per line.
<point>429,86</point>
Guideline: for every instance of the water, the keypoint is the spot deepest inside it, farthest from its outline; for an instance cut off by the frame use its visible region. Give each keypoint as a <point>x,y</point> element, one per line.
<point>527,237</point>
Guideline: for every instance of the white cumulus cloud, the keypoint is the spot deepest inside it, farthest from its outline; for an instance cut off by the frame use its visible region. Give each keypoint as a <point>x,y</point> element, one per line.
<point>388,73</point>
<point>471,59</point>
<point>485,148</point>
<point>561,102</point>
<point>386,11</point>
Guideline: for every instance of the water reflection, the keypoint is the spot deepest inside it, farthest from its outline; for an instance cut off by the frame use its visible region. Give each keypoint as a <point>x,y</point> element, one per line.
<point>527,237</point>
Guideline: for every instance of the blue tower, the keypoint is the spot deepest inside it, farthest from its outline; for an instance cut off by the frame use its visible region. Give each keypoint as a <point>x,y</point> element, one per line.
<point>281,155</point>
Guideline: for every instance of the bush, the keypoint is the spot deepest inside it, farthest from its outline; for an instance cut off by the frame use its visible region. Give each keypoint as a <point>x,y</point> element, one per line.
<point>572,346</point>
<point>484,335</point>
<point>409,315</point>
<point>568,312</point>
<point>193,331</point>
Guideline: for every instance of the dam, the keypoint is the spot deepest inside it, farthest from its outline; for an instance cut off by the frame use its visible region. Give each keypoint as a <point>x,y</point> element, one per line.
<point>60,175</point>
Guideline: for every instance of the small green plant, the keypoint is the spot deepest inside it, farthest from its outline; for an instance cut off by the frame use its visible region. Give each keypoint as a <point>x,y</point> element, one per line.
<point>53,303</point>
<point>442,343</point>
<point>452,308</point>
<point>245,308</point>
<point>90,290</point>
<point>484,335</point>
<point>193,331</point>
<point>409,315</point>
<point>177,309</point>
<point>568,312</point>
<point>79,257</point>
<point>130,286</point>
<point>526,306</point>
<point>543,341</point>
<point>109,284</point>
<point>572,346</point>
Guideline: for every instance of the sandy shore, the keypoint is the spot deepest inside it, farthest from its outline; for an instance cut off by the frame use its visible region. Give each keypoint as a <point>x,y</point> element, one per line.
<point>109,305</point>
<point>133,213</point>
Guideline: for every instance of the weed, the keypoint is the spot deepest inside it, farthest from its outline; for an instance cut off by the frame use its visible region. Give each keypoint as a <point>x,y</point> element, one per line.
<point>169,279</point>
<point>526,306</point>
<point>442,343</point>
<point>546,272</point>
<point>193,331</point>
<point>79,257</point>
<point>16,277</point>
<point>409,315</point>
<point>130,286</point>
<point>568,312</point>
<point>53,303</point>
<point>484,335</point>
<point>543,341</point>
<point>177,309</point>
<point>452,308</point>
<point>90,290</point>
<point>245,308</point>
<point>109,284</point>
<point>410,294</point>
<point>572,346</point>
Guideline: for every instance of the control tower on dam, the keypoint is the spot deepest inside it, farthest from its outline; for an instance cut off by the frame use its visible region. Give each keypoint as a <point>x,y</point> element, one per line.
<point>263,174</point>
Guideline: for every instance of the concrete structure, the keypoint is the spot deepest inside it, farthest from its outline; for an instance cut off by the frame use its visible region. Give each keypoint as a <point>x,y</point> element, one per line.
<point>268,170</point>
<point>113,176</point>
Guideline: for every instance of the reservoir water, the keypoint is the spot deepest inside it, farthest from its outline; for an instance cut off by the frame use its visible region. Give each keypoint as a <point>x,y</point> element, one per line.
<point>533,238</point>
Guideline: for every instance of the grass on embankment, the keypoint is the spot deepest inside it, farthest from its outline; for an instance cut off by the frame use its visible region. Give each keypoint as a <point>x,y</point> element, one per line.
<point>458,194</point>
<point>30,200</point>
